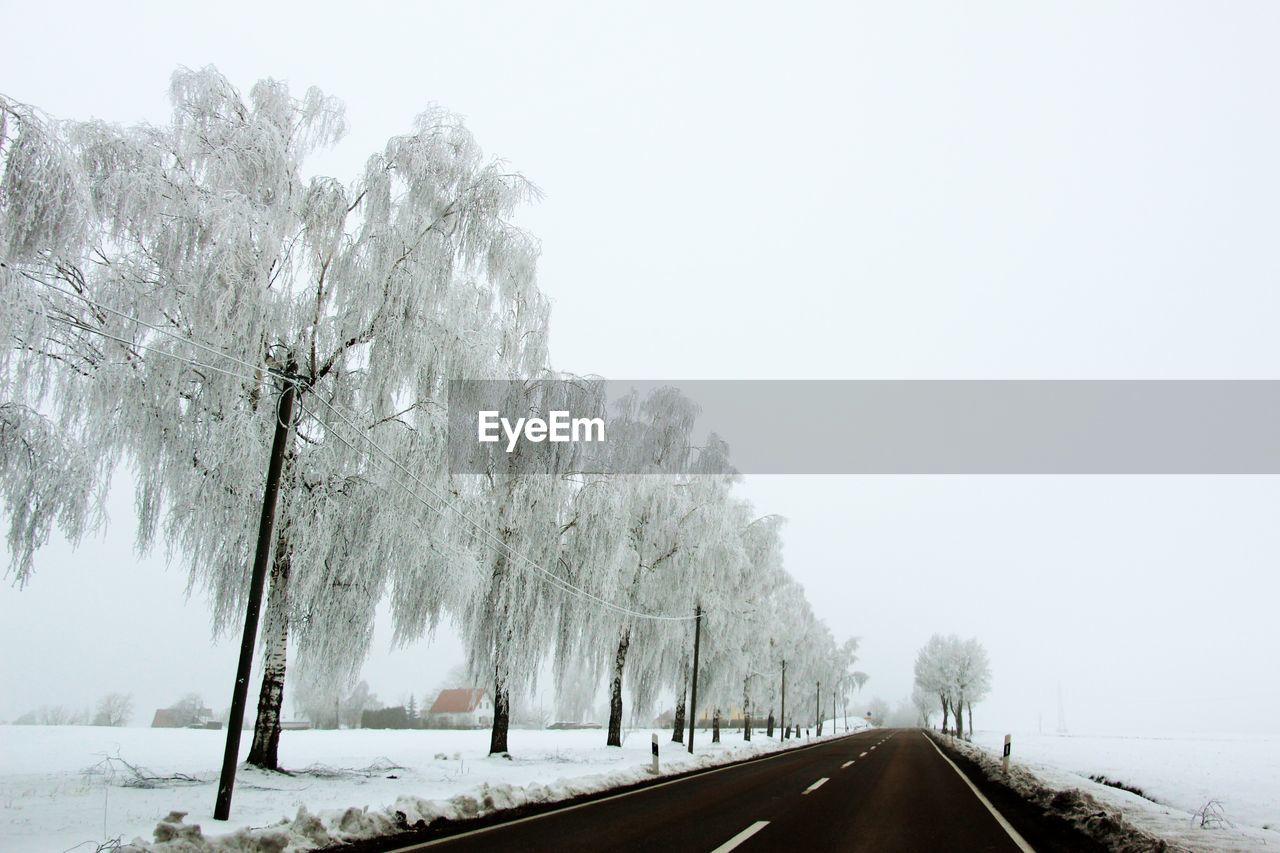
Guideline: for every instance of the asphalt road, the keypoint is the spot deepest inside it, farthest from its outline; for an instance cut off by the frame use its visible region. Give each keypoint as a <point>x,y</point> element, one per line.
<point>882,790</point>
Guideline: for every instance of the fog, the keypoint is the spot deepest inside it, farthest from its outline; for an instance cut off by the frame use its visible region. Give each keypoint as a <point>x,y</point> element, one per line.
<point>890,190</point>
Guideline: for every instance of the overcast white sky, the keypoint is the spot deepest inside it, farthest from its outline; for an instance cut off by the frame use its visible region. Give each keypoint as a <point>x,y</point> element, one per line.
<point>891,190</point>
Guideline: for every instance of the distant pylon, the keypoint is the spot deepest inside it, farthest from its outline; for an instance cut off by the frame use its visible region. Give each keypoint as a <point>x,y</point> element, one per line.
<point>1062,716</point>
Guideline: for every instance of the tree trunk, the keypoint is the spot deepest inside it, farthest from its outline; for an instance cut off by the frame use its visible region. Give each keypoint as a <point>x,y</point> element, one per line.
<point>970,704</point>
<point>959,715</point>
<point>677,731</point>
<point>265,750</point>
<point>615,693</point>
<point>503,639</point>
<point>501,718</point>
<point>746,716</point>
<point>944,714</point>
<point>715,726</point>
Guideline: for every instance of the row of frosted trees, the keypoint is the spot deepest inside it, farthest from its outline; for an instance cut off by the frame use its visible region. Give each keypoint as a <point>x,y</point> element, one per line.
<point>172,293</point>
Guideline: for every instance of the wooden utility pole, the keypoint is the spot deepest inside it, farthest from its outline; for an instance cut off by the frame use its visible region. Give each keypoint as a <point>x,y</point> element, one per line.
<point>817,709</point>
<point>784,699</point>
<point>693,688</point>
<point>279,442</point>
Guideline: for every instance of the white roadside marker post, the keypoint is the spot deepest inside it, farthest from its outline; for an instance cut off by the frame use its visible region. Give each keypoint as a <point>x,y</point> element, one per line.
<point>1004,762</point>
<point>654,768</point>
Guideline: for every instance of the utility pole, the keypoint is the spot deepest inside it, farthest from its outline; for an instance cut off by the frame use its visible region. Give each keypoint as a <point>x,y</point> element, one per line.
<point>817,709</point>
<point>784,699</point>
<point>693,688</point>
<point>279,441</point>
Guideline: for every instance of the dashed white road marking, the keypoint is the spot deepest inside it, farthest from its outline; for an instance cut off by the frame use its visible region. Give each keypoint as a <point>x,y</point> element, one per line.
<point>864,755</point>
<point>816,785</point>
<point>846,764</point>
<point>741,836</point>
<point>874,746</point>
<point>435,842</point>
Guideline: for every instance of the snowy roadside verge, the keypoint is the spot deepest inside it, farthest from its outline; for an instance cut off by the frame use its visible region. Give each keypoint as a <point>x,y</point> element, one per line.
<point>1116,818</point>
<point>75,787</point>
<point>410,814</point>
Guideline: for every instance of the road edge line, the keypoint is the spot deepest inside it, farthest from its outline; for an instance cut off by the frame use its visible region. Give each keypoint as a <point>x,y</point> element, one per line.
<point>684,777</point>
<point>1004,824</point>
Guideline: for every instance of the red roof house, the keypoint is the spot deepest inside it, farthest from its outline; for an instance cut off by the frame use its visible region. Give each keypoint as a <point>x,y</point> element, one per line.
<point>461,708</point>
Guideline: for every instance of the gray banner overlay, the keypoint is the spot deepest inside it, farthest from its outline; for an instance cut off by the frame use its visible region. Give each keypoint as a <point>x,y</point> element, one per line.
<point>883,427</point>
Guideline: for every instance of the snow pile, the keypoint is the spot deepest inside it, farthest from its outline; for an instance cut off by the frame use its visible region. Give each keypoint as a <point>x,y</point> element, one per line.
<point>1120,819</point>
<point>66,786</point>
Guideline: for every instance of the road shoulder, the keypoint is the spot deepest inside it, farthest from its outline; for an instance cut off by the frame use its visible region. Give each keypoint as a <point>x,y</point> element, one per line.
<point>1049,820</point>
<point>442,828</point>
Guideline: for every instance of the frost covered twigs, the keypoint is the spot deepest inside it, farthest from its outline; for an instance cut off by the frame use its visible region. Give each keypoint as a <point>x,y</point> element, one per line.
<point>115,770</point>
<point>377,767</point>
<point>1211,815</point>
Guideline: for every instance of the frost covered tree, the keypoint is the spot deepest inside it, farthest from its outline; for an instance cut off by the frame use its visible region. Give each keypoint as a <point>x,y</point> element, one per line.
<point>634,559</point>
<point>923,702</point>
<point>933,672</point>
<point>509,606</point>
<point>957,673</point>
<point>114,709</point>
<point>760,664</point>
<point>972,673</point>
<point>163,284</point>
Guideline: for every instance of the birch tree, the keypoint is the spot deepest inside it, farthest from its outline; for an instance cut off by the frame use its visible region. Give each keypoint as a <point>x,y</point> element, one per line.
<point>633,562</point>
<point>162,282</point>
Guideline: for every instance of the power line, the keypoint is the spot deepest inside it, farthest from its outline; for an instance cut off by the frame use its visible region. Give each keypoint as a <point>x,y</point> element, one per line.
<point>484,531</point>
<point>556,582</point>
<point>169,332</point>
<point>560,583</point>
<point>184,359</point>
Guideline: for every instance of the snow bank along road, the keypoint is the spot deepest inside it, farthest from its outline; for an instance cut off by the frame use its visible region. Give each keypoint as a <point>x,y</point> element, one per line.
<point>880,790</point>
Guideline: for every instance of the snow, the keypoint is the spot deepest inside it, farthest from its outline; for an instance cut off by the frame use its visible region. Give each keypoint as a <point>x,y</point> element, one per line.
<point>1178,774</point>
<point>56,792</point>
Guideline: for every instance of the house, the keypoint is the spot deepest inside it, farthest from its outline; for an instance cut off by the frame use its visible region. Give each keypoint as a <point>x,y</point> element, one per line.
<point>460,708</point>
<point>184,717</point>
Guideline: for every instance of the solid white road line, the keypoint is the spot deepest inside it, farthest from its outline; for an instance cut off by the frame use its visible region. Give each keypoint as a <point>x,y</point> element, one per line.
<point>816,785</point>
<point>1013,833</point>
<point>741,836</point>
<point>846,764</point>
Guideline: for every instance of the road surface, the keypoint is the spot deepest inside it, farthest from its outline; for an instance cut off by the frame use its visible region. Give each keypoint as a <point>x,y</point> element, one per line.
<point>881,790</point>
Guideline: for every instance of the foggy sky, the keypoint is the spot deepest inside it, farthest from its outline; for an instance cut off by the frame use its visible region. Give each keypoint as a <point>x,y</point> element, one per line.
<point>893,190</point>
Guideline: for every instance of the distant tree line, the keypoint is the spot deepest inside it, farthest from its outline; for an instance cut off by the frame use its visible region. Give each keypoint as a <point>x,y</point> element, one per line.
<point>113,709</point>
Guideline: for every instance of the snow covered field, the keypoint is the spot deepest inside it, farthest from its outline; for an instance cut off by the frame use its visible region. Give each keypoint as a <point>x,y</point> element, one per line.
<point>58,788</point>
<point>1181,773</point>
